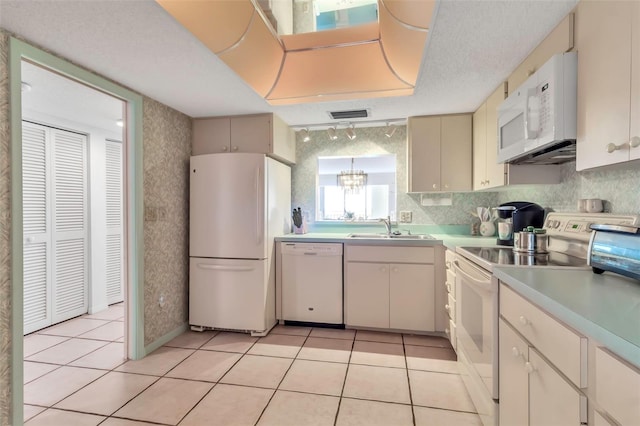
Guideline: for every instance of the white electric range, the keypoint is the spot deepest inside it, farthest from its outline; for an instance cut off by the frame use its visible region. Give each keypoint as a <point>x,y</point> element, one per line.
<point>477,296</point>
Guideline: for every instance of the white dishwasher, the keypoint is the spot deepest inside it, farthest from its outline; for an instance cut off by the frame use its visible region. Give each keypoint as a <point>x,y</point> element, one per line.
<point>312,282</point>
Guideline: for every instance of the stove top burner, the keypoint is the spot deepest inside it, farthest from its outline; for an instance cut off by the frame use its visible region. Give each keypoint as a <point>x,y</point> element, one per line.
<point>506,256</point>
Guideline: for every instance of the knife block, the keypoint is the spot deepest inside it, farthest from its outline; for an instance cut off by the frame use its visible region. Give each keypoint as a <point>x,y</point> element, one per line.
<point>302,229</point>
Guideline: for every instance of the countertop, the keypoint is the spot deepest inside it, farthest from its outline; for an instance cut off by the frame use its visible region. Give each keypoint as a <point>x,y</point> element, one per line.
<point>451,241</point>
<point>604,307</point>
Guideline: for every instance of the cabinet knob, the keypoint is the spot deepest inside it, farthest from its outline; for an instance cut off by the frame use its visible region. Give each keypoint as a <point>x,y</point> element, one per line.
<point>235,148</point>
<point>446,186</point>
<point>449,288</point>
<point>383,269</point>
<point>634,142</point>
<point>515,351</point>
<point>435,186</point>
<point>447,308</point>
<point>488,181</point>
<point>447,264</point>
<point>529,368</point>
<point>523,320</point>
<point>225,149</point>
<point>394,270</point>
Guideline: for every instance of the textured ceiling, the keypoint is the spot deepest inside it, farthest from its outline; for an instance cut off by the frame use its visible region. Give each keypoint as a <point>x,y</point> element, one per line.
<point>471,48</point>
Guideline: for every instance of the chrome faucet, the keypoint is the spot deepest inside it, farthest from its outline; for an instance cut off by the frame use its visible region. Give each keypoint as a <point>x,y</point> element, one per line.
<point>387,224</point>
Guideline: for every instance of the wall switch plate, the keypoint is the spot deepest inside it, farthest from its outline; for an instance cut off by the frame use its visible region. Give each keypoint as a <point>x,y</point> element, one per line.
<point>405,217</point>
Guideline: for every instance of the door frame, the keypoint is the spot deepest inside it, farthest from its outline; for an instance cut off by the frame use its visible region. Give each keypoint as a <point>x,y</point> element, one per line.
<point>133,197</point>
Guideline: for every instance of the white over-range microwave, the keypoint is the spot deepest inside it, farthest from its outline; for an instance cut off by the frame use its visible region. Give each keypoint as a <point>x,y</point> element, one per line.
<point>537,122</point>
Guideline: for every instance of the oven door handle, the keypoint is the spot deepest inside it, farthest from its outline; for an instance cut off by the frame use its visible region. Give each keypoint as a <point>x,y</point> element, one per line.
<point>482,285</point>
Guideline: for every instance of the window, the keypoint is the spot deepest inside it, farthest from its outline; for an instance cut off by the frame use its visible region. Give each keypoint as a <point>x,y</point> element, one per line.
<point>377,199</point>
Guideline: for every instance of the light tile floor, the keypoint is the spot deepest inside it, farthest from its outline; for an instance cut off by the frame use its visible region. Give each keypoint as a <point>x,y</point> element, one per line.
<point>75,374</point>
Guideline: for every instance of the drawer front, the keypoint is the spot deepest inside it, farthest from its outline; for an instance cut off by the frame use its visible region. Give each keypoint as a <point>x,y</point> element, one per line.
<point>552,400</point>
<point>617,388</point>
<point>565,348</point>
<point>449,257</point>
<point>450,283</point>
<point>450,331</point>
<point>389,254</point>
<point>450,307</point>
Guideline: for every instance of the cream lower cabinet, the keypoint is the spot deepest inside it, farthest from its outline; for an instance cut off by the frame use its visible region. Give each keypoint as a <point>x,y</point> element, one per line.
<point>390,287</point>
<point>542,364</point>
<point>617,389</point>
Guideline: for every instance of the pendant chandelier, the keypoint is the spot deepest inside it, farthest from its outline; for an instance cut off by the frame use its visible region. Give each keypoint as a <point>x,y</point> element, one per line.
<point>352,180</point>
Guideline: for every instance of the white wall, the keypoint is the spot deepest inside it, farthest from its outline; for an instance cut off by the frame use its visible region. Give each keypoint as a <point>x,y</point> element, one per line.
<point>96,199</point>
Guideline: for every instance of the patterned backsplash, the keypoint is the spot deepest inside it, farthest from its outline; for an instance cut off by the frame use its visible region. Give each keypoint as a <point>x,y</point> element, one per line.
<point>620,187</point>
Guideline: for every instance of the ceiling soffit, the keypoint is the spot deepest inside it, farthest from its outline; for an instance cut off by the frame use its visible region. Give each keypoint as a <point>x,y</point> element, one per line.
<point>373,60</point>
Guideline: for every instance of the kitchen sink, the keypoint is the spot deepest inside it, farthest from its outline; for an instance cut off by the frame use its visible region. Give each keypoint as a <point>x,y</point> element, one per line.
<point>393,236</point>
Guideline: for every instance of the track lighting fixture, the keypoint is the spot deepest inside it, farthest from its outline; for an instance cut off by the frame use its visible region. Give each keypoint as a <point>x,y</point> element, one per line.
<point>332,133</point>
<point>351,132</point>
<point>306,137</point>
<point>391,129</point>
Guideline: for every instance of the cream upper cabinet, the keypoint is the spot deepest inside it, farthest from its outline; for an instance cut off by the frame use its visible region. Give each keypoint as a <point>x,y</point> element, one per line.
<point>487,173</point>
<point>607,113</point>
<point>635,80</point>
<point>261,133</point>
<point>439,153</point>
<point>480,147</point>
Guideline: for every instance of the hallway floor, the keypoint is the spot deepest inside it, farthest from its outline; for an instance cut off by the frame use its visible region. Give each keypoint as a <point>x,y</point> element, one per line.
<point>75,374</point>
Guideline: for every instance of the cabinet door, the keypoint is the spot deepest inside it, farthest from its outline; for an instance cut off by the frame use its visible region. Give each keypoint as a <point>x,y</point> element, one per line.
<point>552,401</point>
<point>411,297</point>
<point>284,141</point>
<point>455,157</point>
<point>495,172</point>
<point>251,133</point>
<point>211,135</point>
<point>635,77</point>
<point>480,147</point>
<point>514,380</point>
<point>367,294</point>
<point>424,154</point>
<point>603,38</point>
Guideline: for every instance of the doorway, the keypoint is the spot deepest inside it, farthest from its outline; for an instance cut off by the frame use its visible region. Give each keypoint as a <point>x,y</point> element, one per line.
<point>131,148</point>
<point>72,198</point>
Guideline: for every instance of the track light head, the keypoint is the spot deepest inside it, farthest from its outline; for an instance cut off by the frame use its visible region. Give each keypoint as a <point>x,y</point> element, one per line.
<point>351,132</point>
<point>332,133</point>
<point>306,137</point>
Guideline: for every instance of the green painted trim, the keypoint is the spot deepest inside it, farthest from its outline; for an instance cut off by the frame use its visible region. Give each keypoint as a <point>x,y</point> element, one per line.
<point>166,338</point>
<point>17,317</point>
<point>19,50</point>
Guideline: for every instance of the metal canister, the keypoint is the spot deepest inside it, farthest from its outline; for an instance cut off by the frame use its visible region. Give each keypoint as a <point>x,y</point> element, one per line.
<point>541,240</point>
<point>524,241</point>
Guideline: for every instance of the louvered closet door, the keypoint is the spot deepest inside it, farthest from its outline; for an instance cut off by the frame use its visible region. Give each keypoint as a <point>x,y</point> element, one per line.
<point>35,220</point>
<point>69,236</point>
<point>115,252</point>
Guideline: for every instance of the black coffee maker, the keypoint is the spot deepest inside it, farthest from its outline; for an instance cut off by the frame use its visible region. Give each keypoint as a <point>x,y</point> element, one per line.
<point>515,216</point>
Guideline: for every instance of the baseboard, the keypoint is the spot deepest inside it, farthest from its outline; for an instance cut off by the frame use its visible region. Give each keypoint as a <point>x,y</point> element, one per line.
<point>166,338</point>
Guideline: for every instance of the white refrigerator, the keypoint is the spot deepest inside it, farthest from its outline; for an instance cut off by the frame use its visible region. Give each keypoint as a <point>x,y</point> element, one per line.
<point>238,203</point>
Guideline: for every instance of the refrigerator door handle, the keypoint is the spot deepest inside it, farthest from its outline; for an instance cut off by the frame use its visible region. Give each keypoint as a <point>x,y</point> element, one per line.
<point>259,209</point>
<point>225,267</point>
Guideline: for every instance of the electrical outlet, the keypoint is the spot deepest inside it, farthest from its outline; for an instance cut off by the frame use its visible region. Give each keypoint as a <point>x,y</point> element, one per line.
<point>406,217</point>
<point>150,214</point>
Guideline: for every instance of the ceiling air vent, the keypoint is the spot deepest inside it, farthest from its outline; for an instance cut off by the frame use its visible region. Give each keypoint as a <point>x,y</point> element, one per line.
<point>344,115</point>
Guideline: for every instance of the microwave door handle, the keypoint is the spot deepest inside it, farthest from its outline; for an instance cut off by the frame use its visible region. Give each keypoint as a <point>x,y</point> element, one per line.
<point>529,133</point>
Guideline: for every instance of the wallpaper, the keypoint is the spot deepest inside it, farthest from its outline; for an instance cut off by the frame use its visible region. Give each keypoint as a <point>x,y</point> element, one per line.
<point>372,140</point>
<point>5,237</point>
<point>619,187</point>
<point>167,148</point>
